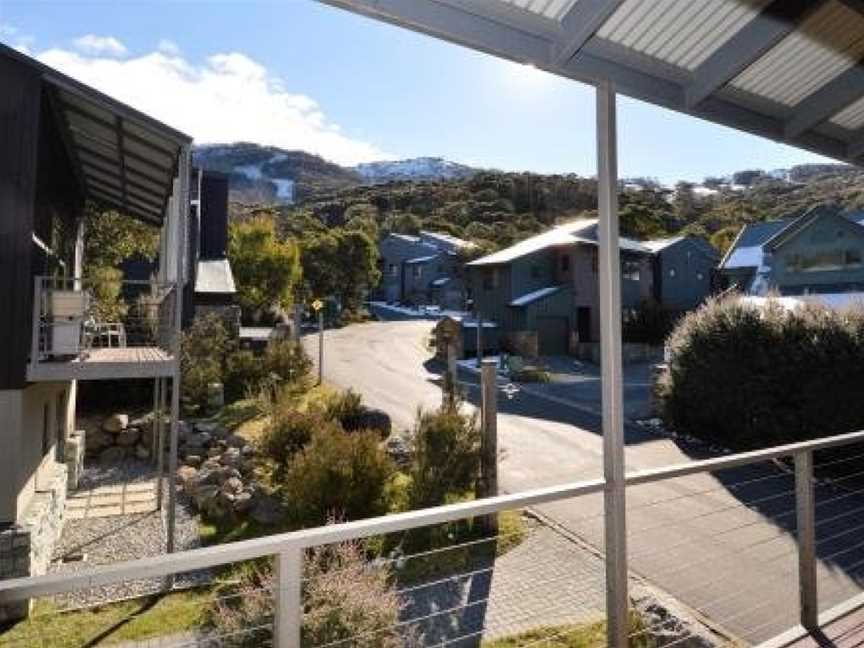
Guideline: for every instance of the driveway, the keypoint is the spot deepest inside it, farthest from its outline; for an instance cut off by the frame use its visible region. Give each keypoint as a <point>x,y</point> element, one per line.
<point>722,544</point>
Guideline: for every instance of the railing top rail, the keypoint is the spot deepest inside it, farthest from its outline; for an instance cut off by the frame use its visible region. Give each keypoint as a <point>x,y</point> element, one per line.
<point>89,280</point>
<point>157,566</point>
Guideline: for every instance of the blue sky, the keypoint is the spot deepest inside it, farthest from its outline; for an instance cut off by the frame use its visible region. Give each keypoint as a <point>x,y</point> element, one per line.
<point>302,75</point>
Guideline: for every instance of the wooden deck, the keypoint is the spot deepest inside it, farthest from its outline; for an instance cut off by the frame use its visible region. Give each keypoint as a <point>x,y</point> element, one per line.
<point>105,364</point>
<point>840,627</point>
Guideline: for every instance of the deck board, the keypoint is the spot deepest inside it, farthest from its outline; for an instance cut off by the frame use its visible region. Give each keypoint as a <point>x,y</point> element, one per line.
<point>106,364</point>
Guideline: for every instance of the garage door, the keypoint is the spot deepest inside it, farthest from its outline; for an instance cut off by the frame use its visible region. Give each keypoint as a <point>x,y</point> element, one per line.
<point>552,333</point>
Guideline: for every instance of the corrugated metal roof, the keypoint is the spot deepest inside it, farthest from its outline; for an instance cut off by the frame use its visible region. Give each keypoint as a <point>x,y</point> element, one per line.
<point>554,9</point>
<point>679,32</point>
<point>828,43</point>
<point>851,118</point>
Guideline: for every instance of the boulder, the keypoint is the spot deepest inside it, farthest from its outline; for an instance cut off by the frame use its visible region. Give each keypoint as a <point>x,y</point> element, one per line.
<point>142,452</point>
<point>206,498</point>
<point>267,510</point>
<point>232,485</point>
<point>128,437</point>
<point>116,422</point>
<point>186,475</point>
<point>370,419</point>
<point>231,457</point>
<point>247,451</point>
<point>114,454</point>
<point>243,502</point>
<point>98,440</point>
<point>213,452</point>
<point>210,464</point>
<point>235,441</point>
<point>399,451</point>
<point>192,460</point>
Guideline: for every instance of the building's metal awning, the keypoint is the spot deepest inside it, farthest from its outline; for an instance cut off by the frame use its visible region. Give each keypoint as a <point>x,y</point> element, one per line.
<point>788,70</point>
<point>122,157</point>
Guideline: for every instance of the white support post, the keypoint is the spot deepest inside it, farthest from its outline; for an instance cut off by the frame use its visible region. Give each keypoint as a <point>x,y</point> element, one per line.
<point>489,438</point>
<point>289,598</point>
<point>37,314</point>
<point>160,439</point>
<point>181,213</point>
<point>617,599</point>
<point>154,438</point>
<point>805,510</point>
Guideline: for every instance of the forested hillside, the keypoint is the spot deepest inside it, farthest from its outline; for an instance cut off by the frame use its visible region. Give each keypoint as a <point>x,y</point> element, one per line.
<point>496,209</point>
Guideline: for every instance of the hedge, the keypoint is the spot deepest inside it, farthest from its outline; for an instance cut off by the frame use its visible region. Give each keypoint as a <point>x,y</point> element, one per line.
<point>749,377</point>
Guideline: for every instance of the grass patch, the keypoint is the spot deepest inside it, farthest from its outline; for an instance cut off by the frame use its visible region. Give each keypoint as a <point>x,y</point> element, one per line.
<point>105,625</point>
<point>587,635</point>
<point>235,414</point>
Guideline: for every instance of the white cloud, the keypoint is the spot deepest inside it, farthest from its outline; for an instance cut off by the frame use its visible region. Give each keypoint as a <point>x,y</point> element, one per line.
<point>228,98</point>
<point>106,45</point>
<point>168,47</point>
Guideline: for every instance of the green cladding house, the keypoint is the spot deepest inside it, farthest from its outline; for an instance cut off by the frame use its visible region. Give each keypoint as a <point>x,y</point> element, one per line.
<point>819,252</point>
<point>543,292</point>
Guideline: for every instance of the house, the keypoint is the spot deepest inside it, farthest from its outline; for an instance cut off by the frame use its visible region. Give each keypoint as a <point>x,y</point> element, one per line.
<point>821,251</point>
<point>422,269</point>
<point>684,271</point>
<point>543,291</point>
<point>63,143</point>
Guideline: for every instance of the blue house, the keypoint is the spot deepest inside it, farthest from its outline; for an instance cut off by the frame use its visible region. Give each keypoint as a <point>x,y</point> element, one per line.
<point>543,292</point>
<point>423,269</point>
<point>819,252</point>
<point>684,271</point>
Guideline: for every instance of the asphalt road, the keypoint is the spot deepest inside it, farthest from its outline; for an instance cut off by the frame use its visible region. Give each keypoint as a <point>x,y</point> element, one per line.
<point>692,537</point>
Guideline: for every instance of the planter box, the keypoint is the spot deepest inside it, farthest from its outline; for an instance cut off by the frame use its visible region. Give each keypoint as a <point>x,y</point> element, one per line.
<point>63,304</point>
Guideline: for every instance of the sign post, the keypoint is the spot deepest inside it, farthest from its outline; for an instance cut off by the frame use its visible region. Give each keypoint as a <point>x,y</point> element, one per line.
<point>318,307</point>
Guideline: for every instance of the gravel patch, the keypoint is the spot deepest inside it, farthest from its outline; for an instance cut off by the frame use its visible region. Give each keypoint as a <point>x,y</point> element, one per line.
<point>100,541</point>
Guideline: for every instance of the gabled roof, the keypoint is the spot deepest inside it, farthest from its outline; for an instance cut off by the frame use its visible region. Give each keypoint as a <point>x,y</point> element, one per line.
<point>749,246</point>
<point>121,157</point>
<point>787,70</point>
<point>703,247</point>
<point>421,260</point>
<point>446,241</point>
<point>580,231</point>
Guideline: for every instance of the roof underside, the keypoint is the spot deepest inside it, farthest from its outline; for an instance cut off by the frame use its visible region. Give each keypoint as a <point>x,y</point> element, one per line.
<point>122,158</point>
<point>788,70</point>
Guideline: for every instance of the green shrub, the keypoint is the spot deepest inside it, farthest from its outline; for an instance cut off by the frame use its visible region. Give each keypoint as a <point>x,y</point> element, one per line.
<point>337,474</point>
<point>445,449</point>
<point>531,375</point>
<point>288,432</point>
<point>747,378</point>
<point>244,372</point>
<point>649,323</point>
<point>344,597</point>
<point>345,407</point>
<point>288,360</point>
<point>203,349</point>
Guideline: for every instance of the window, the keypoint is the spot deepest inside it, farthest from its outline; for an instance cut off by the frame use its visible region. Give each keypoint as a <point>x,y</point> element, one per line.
<point>565,263</point>
<point>818,261</point>
<point>853,258</point>
<point>672,272</point>
<point>393,270</point>
<point>418,271</point>
<point>630,270</point>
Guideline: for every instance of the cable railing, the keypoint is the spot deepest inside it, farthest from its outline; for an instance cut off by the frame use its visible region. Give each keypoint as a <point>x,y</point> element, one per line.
<point>744,546</point>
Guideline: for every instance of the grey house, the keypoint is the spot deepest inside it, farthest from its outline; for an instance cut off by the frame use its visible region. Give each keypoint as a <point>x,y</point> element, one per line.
<point>684,271</point>
<point>820,252</point>
<point>543,291</point>
<point>423,269</point>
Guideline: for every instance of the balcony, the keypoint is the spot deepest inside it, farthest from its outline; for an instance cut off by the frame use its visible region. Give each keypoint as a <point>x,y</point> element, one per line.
<point>101,329</point>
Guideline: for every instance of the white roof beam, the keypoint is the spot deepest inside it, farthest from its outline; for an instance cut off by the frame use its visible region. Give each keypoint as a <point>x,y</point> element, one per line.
<point>457,23</point>
<point>581,23</point>
<point>773,23</point>
<point>830,99</point>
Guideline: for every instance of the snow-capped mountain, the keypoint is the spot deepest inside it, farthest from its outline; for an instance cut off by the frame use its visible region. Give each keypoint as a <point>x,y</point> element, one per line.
<point>267,174</point>
<point>421,168</point>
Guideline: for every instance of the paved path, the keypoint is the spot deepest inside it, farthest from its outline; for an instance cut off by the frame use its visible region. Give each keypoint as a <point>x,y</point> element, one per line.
<point>693,537</point>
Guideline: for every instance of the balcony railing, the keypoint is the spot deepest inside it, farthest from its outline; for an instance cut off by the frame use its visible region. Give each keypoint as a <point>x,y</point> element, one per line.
<point>75,319</point>
<point>751,540</point>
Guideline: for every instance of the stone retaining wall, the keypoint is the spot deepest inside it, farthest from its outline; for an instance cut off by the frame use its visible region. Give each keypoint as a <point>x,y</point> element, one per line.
<point>26,548</point>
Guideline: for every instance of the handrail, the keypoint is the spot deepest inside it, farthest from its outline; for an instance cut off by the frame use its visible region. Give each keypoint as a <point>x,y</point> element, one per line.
<point>195,559</point>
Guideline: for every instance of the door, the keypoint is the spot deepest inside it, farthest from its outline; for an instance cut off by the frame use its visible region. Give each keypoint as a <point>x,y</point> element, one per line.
<point>583,323</point>
<point>552,334</point>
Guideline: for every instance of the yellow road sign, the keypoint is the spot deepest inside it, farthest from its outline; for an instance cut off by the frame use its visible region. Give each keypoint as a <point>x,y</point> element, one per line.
<point>317,305</point>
